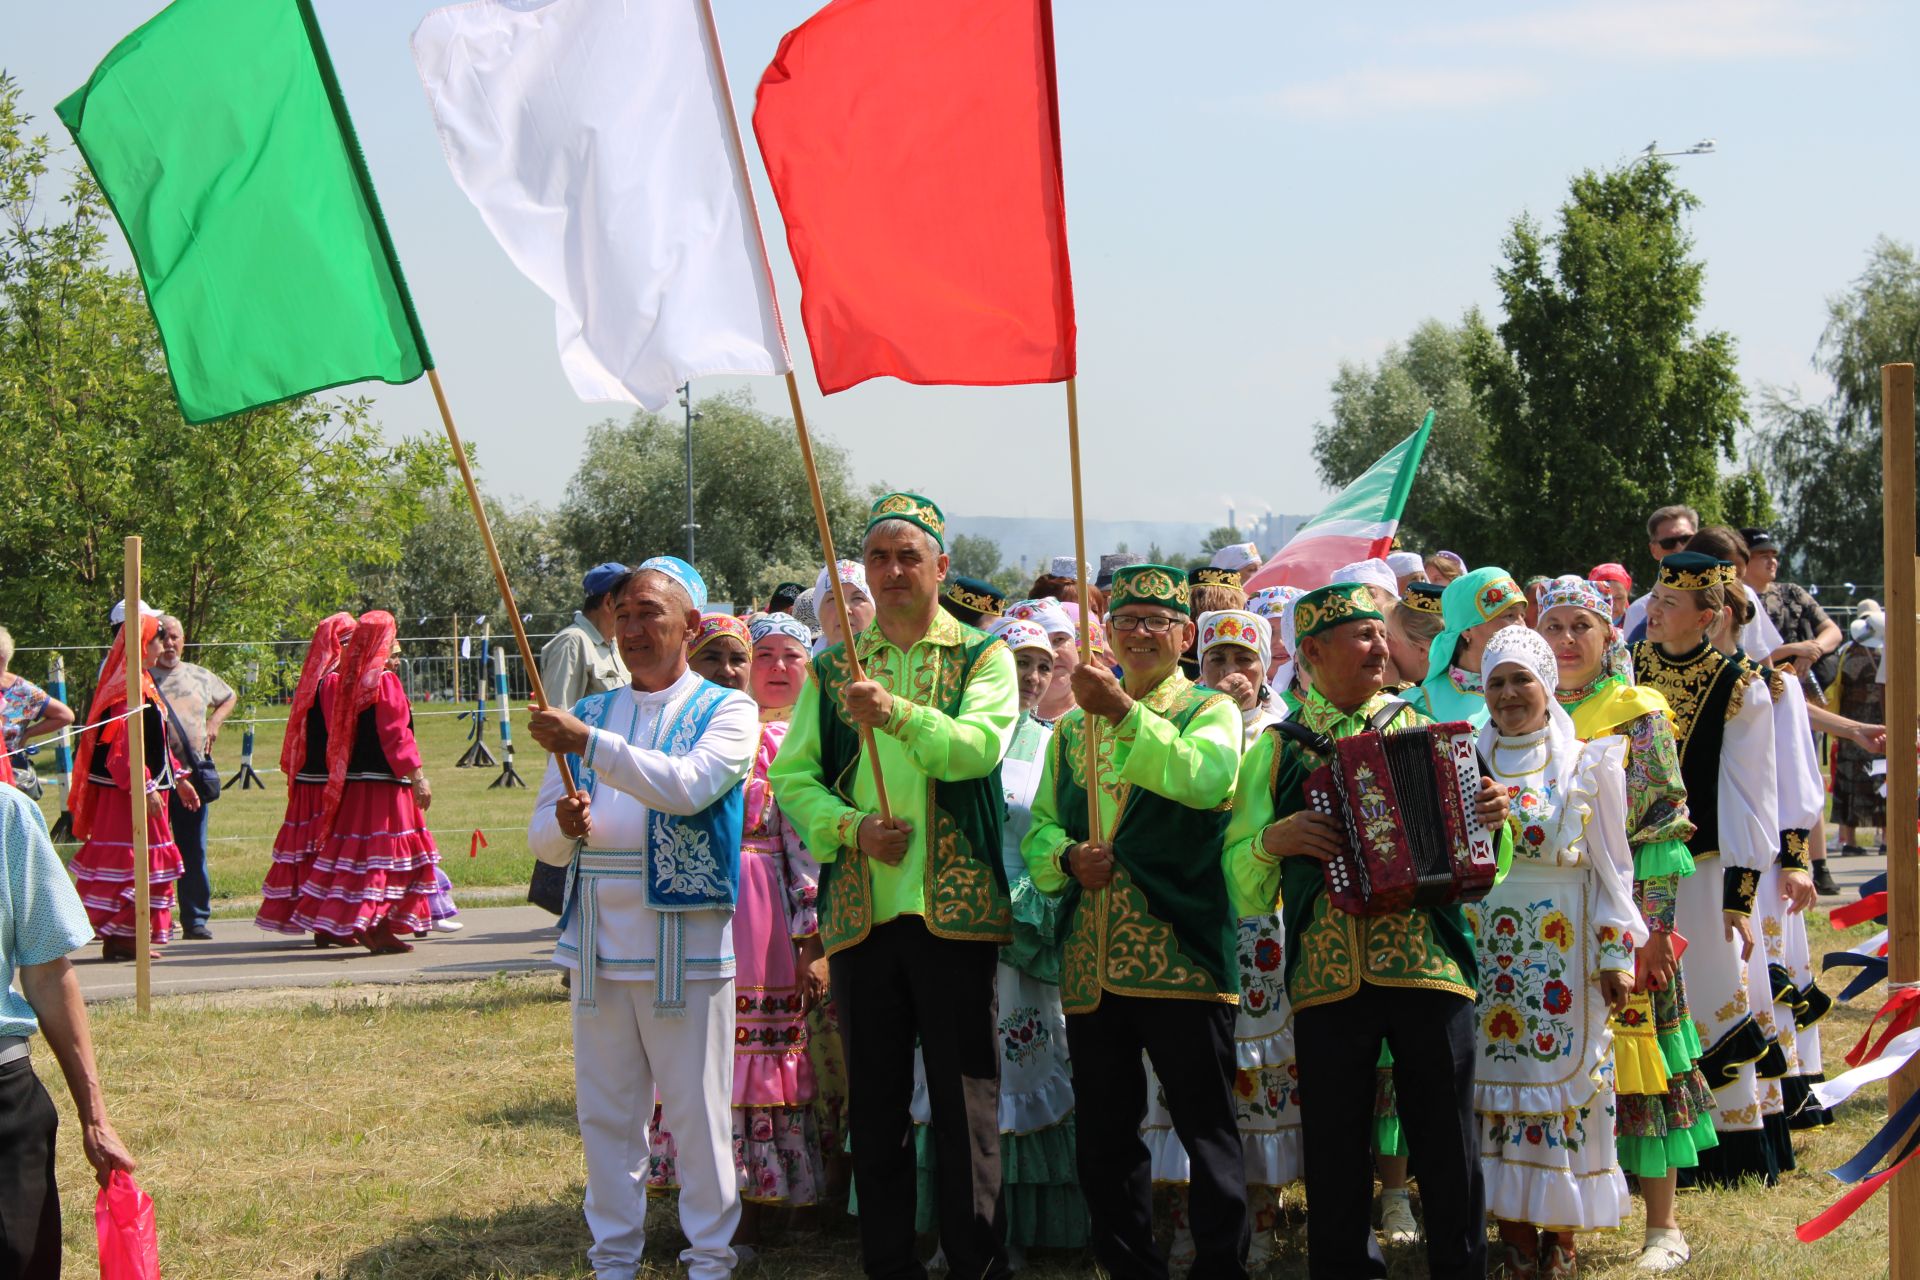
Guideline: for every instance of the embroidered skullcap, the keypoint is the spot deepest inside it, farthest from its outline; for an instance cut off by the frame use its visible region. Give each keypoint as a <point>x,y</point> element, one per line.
<point>915,510</point>
<point>1214,577</point>
<point>1696,571</point>
<point>1332,606</point>
<point>713,626</point>
<point>852,573</point>
<point>1236,556</point>
<point>681,572</point>
<point>1045,612</point>
<point>1158,584</point>
<point>1610,572</point>
<point>788,591</point>
<point>1577,592</point>
<point>1424,597</point>
<point>1374,573</point>
<point>1018,633</point>
<point>1272,603</point>
<point>1404,563</point>
<point>1064,567</point>
<point>779,624</point>
<point>1522,646</point>
<point>1237,626</point>
<point>973,593</point>
<point>804,611</point>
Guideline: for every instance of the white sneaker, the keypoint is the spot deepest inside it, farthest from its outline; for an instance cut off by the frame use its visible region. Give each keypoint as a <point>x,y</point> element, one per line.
<point>448,926</point>
<point>938,1262</point>
<point>1665,1249</point>
<point>1396,1217</point>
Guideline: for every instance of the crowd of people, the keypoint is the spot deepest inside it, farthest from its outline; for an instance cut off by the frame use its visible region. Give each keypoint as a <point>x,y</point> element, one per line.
<point>903,892</point>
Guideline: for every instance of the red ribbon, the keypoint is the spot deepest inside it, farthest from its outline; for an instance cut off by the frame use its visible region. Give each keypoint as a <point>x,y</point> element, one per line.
<point>1847,1205</point>
<point>478,843</point>
<point>1871,907</point>
<point>1901,1010</point>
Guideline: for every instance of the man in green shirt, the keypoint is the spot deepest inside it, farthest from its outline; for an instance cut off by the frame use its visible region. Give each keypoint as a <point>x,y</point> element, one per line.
<point>913,907</point>
<point>1149,963</point>
<point>1406,980</point>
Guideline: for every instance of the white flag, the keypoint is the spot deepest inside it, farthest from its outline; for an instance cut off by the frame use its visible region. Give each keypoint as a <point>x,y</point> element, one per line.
<point>595,138</point>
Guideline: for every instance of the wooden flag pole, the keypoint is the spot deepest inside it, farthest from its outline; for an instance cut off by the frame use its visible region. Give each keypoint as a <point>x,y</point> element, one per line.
<point>833,575</point>
<point>135,727</point>
<point>793,397</point>
<point>1903,789</point>
<point>499,571</point>
<point>1090,723</point>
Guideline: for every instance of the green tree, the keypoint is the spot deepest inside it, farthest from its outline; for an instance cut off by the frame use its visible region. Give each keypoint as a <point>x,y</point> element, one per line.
<point>1823,461</point>
<point>1744,500</point>
<point>628,499</point>
<point>974,556</point>
<point>1377,406</point>
<point>1602,400</point>
<point>252,526</point>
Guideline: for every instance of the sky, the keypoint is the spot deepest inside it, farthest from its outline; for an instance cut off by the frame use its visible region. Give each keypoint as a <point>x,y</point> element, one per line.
<point>1256,192</point>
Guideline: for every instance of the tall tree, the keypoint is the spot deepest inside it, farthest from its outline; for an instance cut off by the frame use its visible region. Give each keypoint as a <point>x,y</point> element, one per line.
<point>975,555</point>
<point>1823,461</point>
<point>1377,406</point>
<point>628,499</point>
<point>1602,399</point>
<point>251,524</point>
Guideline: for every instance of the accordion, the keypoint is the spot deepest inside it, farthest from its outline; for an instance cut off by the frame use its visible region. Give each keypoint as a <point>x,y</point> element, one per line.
<point>1407,800</point>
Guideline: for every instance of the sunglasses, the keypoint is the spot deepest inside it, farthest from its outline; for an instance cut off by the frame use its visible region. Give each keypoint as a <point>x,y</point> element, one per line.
<point>1674,543</point>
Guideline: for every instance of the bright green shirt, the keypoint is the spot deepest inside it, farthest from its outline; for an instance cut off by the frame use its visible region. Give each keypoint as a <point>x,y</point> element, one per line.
<point>1195,768</point>
<point>918,745</point>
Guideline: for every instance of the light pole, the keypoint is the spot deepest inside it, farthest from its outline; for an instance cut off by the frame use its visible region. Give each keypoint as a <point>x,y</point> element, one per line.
<point>1704,147</point>
<point>686,402</point>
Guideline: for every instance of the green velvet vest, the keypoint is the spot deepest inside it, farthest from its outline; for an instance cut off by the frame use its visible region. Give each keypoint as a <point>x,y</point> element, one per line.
<point>966,886</point>
<point>1164,927</point>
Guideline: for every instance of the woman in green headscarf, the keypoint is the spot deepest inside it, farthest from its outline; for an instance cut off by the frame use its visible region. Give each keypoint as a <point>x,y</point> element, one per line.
<point>1473,607</point>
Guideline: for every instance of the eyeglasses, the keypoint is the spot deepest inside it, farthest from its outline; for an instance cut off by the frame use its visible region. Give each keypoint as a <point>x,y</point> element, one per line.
<point>1153,624</point>
<point>1674,543</point>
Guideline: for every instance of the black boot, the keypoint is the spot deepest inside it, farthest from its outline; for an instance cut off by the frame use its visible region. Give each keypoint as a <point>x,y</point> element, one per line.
<point>1823,880</point>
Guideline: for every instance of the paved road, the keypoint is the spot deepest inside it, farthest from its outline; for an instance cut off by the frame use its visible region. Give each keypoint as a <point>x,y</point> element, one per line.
<point>495,938</point>
<point>242,957</point>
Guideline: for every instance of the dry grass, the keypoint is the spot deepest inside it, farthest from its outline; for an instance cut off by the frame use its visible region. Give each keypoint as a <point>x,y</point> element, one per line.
<point>244,823</point>
<point>427,1132</point>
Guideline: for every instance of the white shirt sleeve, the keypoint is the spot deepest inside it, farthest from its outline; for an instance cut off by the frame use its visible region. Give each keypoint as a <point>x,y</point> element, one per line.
<point>1802,791</point>
<point>1749,807</point>
<point>683,785</point>
<point>1760,639</point>
<point>1609,855</point>
<point>544,838</point>
<point>1636,614</point>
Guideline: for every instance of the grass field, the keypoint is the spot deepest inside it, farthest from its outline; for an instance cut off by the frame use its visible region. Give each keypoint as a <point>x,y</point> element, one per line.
<point>243,823</point>
<point>427,1132</point>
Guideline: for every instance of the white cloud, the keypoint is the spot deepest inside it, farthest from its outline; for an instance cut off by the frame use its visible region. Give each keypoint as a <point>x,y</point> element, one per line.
<point>1653,30</point>
<point>1373,91</point>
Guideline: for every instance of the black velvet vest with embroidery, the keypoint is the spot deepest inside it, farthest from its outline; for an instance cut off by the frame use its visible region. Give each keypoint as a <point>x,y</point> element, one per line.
<point>1699,687</point>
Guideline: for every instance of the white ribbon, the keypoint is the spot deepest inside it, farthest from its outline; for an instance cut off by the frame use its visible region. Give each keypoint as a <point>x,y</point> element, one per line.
<point>1899,1051</point>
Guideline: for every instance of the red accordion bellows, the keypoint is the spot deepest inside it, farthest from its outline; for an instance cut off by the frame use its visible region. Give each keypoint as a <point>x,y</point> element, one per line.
<point>1407,801</point>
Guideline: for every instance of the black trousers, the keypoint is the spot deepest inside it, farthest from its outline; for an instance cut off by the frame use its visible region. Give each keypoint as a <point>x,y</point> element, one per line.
<point>1432,1035</point>
<point>190,833</point>
<point>903,983</point>
<point>29,1200</point>
<point>1190,1043</point>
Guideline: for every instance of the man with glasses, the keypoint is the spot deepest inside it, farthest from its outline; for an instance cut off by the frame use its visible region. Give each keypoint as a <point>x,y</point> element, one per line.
<point>1150,960</point>
<point>1669,529</point>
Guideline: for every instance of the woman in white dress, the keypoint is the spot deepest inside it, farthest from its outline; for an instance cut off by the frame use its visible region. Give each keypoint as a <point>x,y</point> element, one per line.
<point>1556,941</point>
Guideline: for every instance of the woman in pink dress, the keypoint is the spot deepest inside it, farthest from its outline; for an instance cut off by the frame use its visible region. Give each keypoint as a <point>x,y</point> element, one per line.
<point>103,808</point>
<point>303,763</point>
<point>780,971</point>
<point>371,881</point>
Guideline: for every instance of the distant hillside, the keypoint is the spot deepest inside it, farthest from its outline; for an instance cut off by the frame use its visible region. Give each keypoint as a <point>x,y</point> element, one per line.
<point>1039,540</point>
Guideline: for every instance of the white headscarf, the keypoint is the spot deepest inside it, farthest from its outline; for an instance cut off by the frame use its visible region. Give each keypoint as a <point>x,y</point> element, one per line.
<point>1374,573</point>
<point>1525,647</point>
<point>852,573</point>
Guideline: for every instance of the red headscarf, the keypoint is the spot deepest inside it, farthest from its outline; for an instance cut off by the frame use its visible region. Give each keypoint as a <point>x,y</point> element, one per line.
<point>109,698</point>
<point>323,655</point>
<point>360,669</point>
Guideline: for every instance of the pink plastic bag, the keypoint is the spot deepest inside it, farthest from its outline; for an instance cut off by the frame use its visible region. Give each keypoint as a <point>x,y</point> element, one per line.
<point>123,1221</point>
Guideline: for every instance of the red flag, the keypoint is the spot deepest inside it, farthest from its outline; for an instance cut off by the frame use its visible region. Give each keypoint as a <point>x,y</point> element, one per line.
<point>914,150</point>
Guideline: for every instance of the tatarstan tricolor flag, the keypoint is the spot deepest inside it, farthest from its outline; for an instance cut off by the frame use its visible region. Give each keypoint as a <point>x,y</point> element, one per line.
<point>1356,525</point>
<point>914,150</point>
<point>218,134</point>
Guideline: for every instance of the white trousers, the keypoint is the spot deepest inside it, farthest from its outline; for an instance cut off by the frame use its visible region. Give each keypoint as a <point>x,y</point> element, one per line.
<point>621,1054</point>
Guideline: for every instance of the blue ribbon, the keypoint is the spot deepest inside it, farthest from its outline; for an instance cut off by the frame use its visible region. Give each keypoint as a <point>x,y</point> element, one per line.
<point>1869,1157</point>
<point>1873,971</point>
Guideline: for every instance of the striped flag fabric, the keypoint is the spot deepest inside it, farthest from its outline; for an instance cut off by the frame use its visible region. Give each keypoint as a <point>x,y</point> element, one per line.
<point>1357,525</point>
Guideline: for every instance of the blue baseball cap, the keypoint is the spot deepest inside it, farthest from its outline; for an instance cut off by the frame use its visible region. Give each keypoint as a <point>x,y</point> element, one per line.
<point>601,577</point>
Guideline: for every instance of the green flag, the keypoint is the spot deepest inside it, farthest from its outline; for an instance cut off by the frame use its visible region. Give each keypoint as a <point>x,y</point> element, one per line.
<point>218,133</point>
